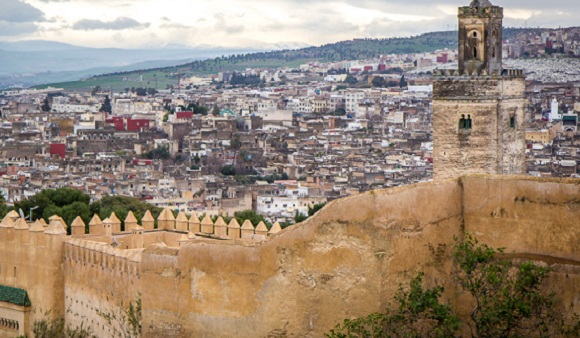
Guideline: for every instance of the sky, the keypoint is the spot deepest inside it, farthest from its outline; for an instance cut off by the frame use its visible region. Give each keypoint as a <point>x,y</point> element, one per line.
<point>250,23</point>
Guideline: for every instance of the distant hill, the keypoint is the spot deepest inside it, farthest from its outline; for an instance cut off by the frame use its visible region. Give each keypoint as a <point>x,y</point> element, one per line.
<point>34,62</point>
<point>345,50</point>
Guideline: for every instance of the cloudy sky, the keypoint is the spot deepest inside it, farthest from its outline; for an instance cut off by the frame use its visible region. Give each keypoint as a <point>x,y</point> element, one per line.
<point>250,23</point>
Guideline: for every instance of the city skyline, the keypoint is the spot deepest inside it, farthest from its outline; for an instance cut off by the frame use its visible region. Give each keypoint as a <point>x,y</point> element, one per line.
<point>254,23</point>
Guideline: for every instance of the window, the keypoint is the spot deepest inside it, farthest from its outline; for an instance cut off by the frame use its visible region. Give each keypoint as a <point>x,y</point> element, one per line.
<point>493,53</point>
<point>512,121</point>
<point>475,52</point>
<point>474,34</point>
<point>465,123</point>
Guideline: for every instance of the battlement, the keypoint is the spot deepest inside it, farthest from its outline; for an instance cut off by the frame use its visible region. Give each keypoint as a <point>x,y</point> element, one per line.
<point>455,74</point>
<point>468,11</point>
<point>171,230</point>
<point>103,255</point>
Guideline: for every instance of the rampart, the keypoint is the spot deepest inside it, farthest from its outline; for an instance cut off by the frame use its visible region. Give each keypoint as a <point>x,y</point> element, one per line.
<point>351,257</point>
<point>217,279</point>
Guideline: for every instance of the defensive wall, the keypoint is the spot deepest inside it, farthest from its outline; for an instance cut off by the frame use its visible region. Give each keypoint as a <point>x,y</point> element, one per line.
<point>205,279</point>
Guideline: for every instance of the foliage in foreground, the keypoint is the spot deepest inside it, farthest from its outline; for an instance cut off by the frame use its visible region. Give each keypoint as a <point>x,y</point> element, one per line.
<point>419,314</point>
<point>510,301</point>
<point>57,328</point>
<point>126,321</point>
<point>123,323</point>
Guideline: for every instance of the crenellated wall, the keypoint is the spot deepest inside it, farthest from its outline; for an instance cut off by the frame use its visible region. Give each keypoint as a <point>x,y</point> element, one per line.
<point>31,259</point>
<point>349,259</point>
<point>212,279</point>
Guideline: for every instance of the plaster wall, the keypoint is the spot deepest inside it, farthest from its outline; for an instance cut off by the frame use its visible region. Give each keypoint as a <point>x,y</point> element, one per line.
<point>33,261</point>
<point>350,258</point>
<point>99,279</point>
<point>346,261</point>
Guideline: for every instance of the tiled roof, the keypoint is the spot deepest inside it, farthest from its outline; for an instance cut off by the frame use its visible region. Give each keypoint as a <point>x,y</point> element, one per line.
<point>14,296</point>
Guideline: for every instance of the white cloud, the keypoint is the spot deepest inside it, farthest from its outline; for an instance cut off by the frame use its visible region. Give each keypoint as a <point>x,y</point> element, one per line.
<point>248,23</point>
<point>117,24</point>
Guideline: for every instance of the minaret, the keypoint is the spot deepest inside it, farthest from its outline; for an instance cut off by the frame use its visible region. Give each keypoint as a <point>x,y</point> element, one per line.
<point>478,109</point>
<point>554,110</point>
<point>480,38</point>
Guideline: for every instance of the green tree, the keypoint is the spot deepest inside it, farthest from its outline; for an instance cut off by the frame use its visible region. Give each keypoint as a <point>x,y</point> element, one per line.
<point>50,202</point>
<point>299,217</point>
<point>159,153</point>
<point>4,209</point>
<point>350,79</point>
<point>403,83</point>
<point>106,106</point>
<point>121,205</point>
<point>510,301</point>
<point>418,313</point>
<point>253,216</point>
<point>379,81</point>
<point>228,170</point>
<point>45,105</point>
<point>314,209</point>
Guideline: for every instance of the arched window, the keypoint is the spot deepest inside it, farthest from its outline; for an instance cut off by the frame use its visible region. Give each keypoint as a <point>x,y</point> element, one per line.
<point>474,34</point>
<point>465,123</point>
<point>462,122</point>
<point>475,52</point>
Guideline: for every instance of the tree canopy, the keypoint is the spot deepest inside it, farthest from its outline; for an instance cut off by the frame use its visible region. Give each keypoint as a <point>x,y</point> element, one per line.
<point>70,203</point>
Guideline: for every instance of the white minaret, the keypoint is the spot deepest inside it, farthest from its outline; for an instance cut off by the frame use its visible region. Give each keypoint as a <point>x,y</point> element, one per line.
<point>554,112</point>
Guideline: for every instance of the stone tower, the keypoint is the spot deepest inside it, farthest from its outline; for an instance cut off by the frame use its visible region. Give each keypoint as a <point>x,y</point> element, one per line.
<point>478,109</point>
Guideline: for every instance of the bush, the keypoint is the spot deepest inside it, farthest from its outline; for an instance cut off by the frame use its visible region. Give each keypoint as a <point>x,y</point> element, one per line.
<point>510,301</point>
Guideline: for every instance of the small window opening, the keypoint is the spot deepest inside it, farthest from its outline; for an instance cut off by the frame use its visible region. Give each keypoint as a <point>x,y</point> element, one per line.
<point>494,33</point>
<point>493,52</point>
<point>14,271</point>
<point>465,123</point>
<point>512,121</point>
<point>474,34</point>
<point>474,52</point>
<point>462,122</point>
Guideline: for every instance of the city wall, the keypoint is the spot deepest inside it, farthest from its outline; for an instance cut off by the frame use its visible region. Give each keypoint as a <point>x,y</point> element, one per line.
<point>205,279</point>
<point>350,258</point>
<point>99,281</point>
<point>31,259</point>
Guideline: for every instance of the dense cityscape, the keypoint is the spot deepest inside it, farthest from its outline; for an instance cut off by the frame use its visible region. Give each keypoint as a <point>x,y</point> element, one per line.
<point>383,187</point>
<point>275,141</point>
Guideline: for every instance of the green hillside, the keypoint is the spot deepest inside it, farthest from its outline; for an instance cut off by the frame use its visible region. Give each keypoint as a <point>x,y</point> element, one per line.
<point>161,78</point>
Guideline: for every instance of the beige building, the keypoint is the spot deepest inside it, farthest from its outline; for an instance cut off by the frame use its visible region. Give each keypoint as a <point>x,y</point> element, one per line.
<point>539,136</point>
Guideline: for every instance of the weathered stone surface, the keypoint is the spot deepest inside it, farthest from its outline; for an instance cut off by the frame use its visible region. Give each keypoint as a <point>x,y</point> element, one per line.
<point>492,145</point>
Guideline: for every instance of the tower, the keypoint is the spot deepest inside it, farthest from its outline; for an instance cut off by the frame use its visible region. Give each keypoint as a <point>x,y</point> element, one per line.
<point>480,37</point>
<point>478,109</point>
<point>554,110</point>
